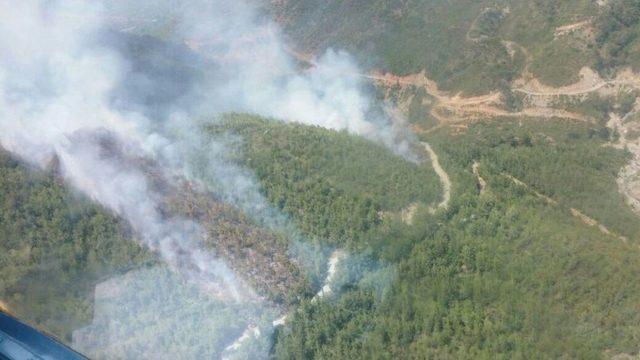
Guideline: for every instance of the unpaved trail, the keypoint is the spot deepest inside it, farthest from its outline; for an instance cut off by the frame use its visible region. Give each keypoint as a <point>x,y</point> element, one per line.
<point>458,109</point>
<point>410,211</point>
<point>519,182</point>
<point>474,27</point>
<point>449,108</point>
<point>455,108</point>
<point>512,48</point>
<point>334,260</point>
<point>253,331</point>
<point>574,212</point>
<point>589,82</point>
<point>444,178</point>
<point>566,29</point>
<point>480,111</point>
<point>629,177</point>
<point>421,80</point>
<point>482,184</point>
<point>593,222</point>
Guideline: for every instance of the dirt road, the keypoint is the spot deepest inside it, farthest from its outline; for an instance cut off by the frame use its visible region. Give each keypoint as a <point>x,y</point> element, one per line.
<point>629,178</point>
<point>410,211</point>
<point>589,82</point>
<point>566,29</point>
<point>482,184</point>
<point>444,178</point>
<point>574,212</point>
<point>449,109</point>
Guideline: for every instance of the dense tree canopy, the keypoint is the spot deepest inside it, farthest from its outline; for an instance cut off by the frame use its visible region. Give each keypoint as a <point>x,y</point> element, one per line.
<point>506,274</point>
<point>54,247</point>
<point>335,185</point>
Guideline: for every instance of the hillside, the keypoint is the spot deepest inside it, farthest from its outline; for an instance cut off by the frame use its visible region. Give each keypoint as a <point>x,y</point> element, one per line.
<point>533,264</point>
<point>54,248</point>
<point>347,179</point>
<point>471,46</point>
<point>335,186</point>
<point>532,108</point>
<point>506,272</point>
<point>81,245</point>
<point>57,247</point>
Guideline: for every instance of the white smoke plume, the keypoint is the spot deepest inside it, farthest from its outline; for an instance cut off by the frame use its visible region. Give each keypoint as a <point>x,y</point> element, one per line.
<point>64,85</point>
<point>54,99</point>
<point>257,73</point>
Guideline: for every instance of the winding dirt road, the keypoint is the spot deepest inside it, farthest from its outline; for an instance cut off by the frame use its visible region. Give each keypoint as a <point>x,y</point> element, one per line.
<point>454,109</point>
<point>566,29</point>
<point>409,212</point>
<point>451,109</point>
<point>589,82</point>
<point>444,178</point>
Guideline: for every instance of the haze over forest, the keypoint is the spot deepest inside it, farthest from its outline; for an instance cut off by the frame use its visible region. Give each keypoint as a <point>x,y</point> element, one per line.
<point>294,179</point>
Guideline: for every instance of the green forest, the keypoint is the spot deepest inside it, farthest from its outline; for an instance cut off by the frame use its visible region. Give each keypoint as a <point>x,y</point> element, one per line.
<point>535,255</point>
<point>334,185</point>
<point>501,273</point>
<point>504,274</point>
<point>55,246</point>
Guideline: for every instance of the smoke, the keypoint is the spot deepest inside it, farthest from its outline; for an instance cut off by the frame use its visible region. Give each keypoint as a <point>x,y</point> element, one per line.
<point>54,99</point>
<point>256,71</point>
<point>68,86</point>
<point>151,314</point>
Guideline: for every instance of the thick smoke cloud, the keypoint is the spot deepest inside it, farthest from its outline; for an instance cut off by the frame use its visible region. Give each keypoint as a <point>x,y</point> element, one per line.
<point>256,72</point>
<point>67,83</point>
<point>55,91</point>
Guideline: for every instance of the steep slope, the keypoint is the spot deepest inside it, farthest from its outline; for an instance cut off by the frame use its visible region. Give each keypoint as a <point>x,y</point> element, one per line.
<point>54,247</point>
<point>334,185</point>
<point>57,246</point>
<point>502,275</point>
<point>471,46</point>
